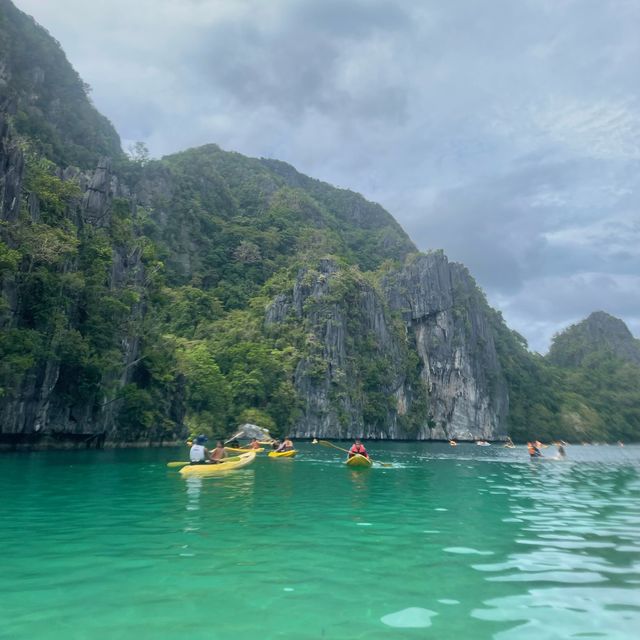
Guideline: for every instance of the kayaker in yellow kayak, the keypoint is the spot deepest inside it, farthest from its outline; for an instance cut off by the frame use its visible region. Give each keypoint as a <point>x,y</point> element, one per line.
<point>254,444</point>
<point>286,445</point>
<point>199,454</point>
<point>218,453</point>
<point>358,448</point>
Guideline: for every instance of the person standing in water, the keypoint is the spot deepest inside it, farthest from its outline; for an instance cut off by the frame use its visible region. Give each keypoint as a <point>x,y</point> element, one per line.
<point>358,448</point>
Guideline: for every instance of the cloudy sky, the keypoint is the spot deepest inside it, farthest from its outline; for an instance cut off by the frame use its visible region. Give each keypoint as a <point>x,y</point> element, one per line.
<point>506,132</point>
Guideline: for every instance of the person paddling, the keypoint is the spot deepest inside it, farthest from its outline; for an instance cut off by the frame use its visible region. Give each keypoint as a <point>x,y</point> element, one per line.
<point>218,453</point>
<point>254,444</point>
<point>358,448</point>
<point>534,452</point>
<point>198,454</point>
<point>286,445</point>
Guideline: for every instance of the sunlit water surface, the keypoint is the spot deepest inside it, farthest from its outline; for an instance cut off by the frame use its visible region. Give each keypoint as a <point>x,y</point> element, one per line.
<point>465,542</point>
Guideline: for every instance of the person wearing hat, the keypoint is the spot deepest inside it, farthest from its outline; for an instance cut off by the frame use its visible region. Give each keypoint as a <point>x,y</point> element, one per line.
<point>198,453</point>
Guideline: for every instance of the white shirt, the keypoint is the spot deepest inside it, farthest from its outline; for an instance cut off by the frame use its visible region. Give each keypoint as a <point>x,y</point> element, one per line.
<point>197,453</point>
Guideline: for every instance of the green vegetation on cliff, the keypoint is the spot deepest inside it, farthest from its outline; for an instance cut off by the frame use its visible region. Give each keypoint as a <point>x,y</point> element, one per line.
<point>45,97</point>
<point>585,389</point>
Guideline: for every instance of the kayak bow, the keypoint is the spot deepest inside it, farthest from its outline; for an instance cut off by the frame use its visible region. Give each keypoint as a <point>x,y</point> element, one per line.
<point>358,461</point>
<point>282,454</point>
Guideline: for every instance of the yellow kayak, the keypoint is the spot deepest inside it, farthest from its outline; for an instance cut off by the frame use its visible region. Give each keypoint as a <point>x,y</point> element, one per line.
<point>244,449</point>
<point>227,464</point>
<point>282,454</point>
<point>358,461</point>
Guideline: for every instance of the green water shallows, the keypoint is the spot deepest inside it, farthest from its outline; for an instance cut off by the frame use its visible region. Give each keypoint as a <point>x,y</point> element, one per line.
<point>468,542</point>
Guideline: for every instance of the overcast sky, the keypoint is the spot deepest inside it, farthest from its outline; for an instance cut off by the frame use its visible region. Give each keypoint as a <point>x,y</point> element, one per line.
<point>506,132</point>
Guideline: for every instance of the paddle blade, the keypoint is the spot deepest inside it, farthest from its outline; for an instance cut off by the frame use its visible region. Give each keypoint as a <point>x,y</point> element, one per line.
<point>326,443</point>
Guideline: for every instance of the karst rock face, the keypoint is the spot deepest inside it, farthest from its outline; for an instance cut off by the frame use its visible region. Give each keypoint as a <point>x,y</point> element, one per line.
<point>446,314</point>
<point>431,309</point>
<point>38,405</point>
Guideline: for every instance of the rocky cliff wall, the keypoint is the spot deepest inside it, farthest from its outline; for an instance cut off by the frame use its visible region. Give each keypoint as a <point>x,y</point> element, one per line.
<point>38,409</point>
<point>362,377</point>
<point>444,310</point>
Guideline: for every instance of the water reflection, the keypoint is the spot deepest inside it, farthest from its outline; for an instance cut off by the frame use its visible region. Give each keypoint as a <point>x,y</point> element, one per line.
<point>579,527</point>
<point>194,487</point>
<point>566,613</point>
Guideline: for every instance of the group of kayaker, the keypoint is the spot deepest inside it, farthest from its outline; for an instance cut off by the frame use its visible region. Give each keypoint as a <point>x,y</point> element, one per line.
<point>534,447</point>
<point>199,454</point>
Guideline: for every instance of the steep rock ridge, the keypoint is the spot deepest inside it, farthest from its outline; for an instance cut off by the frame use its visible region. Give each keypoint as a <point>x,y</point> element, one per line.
<point>351,210</point>
<point>40,404</point>
<point>11,168</point>
<point>599,333</point>
<point>455,390</point>
<point>468,395</point>
<point>353,378</point>
<point>45,97</point>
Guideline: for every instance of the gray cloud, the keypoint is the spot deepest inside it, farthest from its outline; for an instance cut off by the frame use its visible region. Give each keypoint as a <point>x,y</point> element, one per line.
<point>506,133</point>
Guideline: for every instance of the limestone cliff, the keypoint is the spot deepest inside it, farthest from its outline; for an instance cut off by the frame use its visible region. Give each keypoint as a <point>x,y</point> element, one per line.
<point>360,378</point>
<point>447,315</point>
<point>40,398</point>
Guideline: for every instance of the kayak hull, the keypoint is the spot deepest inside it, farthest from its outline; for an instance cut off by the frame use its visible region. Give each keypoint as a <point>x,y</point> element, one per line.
<point>229,464</point>
<point>282,454</point>
<point>244,449</point>
<point>358,461</point>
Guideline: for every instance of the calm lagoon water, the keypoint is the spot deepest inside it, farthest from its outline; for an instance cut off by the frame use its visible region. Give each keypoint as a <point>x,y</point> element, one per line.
<point>466,542</point>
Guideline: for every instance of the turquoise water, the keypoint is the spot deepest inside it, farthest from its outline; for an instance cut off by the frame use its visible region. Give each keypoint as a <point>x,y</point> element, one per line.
<point>468,542</point>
